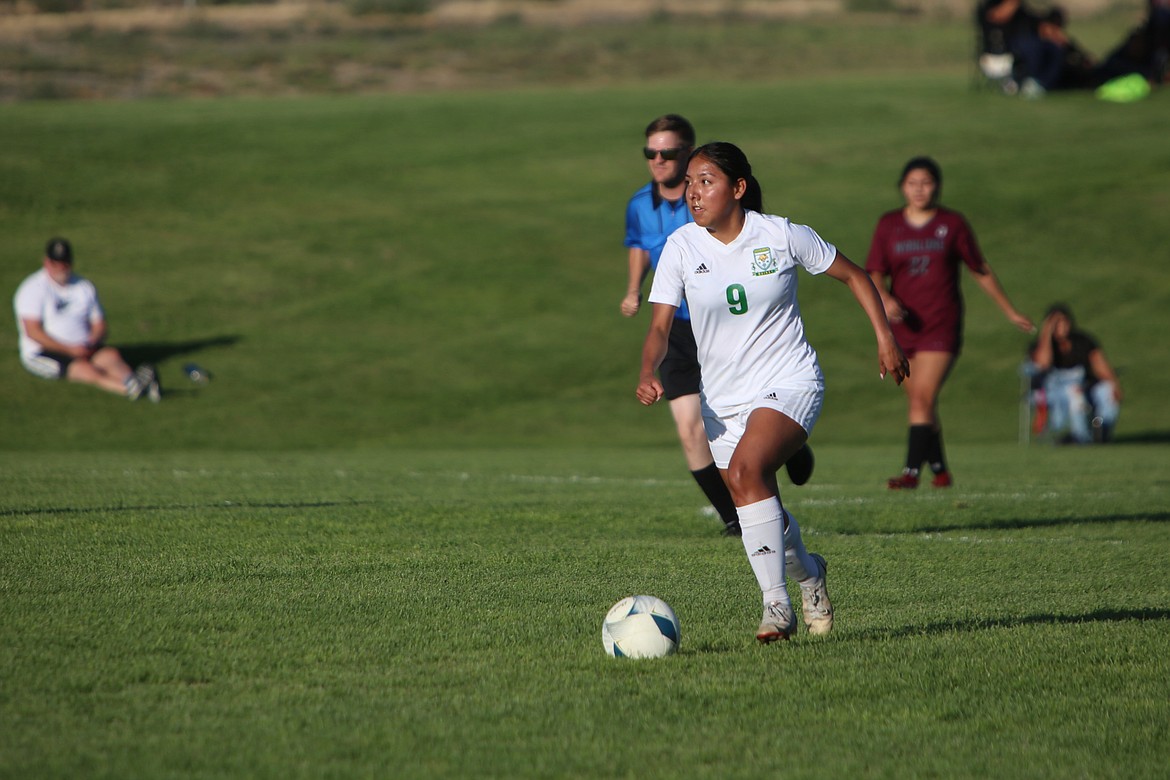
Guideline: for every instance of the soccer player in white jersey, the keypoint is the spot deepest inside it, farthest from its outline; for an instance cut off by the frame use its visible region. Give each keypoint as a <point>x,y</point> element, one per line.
<point>653,213</point>
<point>63,330</point>
<point>762,385</point>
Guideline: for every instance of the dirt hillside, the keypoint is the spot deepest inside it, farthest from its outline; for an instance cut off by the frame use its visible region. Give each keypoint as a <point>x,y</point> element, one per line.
<point>20,18</point>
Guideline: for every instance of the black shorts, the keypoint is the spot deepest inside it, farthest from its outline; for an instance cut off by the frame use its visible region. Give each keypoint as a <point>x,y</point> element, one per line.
<point>679,372</point>
<point>47,365</point>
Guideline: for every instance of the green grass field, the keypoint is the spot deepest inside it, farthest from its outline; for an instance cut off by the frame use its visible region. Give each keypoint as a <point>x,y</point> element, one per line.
<point>381,541</point>
<point>372,613</point>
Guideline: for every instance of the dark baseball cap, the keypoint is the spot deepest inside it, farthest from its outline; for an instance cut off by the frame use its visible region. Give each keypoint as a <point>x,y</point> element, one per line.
<point>58,249</point>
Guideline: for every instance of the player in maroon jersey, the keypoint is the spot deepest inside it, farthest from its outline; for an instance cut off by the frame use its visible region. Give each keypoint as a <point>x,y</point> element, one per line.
<point>914,262</point>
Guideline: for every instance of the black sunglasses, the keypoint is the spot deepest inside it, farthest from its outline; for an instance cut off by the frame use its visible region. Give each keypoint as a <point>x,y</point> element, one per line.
<point>667,154</point>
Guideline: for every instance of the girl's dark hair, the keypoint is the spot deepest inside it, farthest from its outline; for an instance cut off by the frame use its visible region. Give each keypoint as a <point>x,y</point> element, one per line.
<point>1061,308</point>
<point>927,164</point>
<point>734,163</point>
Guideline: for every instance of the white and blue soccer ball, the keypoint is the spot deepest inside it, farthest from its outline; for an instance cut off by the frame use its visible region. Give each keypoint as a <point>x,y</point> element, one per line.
<point>640,627</point>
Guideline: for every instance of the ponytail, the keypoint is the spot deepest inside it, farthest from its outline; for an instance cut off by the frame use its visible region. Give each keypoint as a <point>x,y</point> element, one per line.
<point>753,196</point>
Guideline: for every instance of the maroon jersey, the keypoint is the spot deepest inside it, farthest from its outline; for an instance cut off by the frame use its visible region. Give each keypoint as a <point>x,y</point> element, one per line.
<point>923,267</point>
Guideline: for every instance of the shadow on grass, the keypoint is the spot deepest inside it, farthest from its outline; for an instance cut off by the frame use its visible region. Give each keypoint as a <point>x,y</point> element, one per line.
<point>157,352</point>
<point>971,625</point>
<point>1143,437</point>
<point>85,510</point>
<point>967,625</point>
<point>1010,524</point>
<point>1045,522</point>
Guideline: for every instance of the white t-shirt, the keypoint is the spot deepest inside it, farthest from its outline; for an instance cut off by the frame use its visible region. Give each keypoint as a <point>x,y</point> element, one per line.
<point>743,305</point>
<point>66,312</point>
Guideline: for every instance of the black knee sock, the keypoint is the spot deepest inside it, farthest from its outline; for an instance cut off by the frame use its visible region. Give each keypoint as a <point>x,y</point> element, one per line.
<point>917,447</point>
<point>934,453</point>
<point>711,481</point>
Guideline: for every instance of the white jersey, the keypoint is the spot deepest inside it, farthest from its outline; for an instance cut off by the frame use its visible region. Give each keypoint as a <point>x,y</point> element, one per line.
<point>66,312</point>
<point>744,311</point>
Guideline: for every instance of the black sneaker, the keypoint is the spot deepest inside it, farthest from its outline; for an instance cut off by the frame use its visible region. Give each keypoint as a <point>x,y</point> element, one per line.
<point>800,465</point>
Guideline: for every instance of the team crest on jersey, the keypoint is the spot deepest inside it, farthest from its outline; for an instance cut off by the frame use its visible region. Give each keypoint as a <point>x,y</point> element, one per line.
<point>763,262</point>
<point>941,232</point>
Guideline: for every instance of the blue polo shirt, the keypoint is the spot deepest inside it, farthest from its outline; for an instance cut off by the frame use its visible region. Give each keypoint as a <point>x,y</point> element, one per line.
<point>650,219</point>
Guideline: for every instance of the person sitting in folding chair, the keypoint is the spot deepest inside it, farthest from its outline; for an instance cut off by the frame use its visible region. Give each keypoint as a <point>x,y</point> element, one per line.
<point>1081,389</point>
<point>1043,57</point>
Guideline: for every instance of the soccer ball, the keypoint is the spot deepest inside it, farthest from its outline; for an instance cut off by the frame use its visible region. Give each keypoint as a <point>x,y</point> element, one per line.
<point>640,627</point>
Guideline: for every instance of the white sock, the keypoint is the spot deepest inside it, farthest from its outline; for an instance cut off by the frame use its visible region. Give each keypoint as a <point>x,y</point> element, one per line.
<point>800,565</point>
<point>763,541</point>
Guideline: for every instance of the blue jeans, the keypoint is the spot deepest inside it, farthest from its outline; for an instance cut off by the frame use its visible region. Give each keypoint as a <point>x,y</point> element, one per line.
<point>1068,405</point>
<point>1040,60</point>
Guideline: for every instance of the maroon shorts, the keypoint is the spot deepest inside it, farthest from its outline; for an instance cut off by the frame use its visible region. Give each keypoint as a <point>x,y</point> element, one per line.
<point>943,337</point>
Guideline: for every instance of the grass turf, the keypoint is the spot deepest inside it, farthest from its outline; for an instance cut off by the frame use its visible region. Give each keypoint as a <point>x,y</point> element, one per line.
<point>444,270</point>
<point>382,540</point>
<point>364,613</point>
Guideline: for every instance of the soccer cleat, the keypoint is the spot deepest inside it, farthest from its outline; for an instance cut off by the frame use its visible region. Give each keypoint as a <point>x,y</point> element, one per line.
<point>800,465</point>
<point>818,610</point>
<point>902,482</point>
<point>779,622</point>
<point>729,529</point>
<point>942,479</point>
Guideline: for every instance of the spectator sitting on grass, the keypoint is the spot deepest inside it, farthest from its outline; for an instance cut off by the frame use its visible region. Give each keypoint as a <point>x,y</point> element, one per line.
<point>1145,50</point>
<point>63,330</point>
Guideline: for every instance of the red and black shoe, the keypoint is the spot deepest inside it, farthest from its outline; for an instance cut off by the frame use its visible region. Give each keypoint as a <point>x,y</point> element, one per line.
<point>904,481</point>
<point>942,479</point>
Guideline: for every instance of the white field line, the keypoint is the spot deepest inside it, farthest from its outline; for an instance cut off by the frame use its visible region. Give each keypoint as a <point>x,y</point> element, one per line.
<point>790,493</point>
<point>940,537</point>
<point>795,494</point>
<point>548,479</point>
<point>806,495</point>
<point>801,499</point>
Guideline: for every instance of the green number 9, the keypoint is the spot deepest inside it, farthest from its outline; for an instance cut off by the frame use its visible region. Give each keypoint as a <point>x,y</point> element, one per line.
<point>737,299</point>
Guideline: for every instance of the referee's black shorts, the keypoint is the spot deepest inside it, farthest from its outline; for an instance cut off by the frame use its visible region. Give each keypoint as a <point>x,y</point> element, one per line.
<point>679,372</point>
